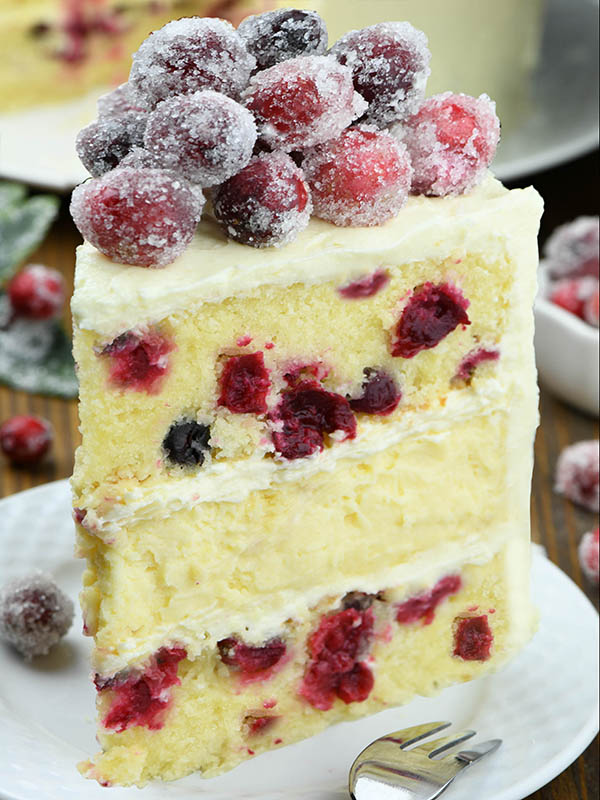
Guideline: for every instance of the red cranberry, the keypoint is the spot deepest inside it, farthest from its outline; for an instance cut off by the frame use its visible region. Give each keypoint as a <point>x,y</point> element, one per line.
<point>138,361</point>
<point>380,394</point>
<point>188,55</point>
<point>473,638</point>
<point>205,136</point>
<point>34,614</point>
<point>588,554</point>
<point>305,414</point>
<point>431,313</point>
<point>365,287</point>
<point>452,140</point>
<point>577,474</point>
<point>335,650</point>
<point>362,177</point>
<point>254,724</point>
<point>37,292</point>
<point>472,360</point>
<point>282,34</point>
<point>251,661</point>
<point>572,250</point>
<point>423,605</point>
<point>145,217</point>
<point>302,102</point>
<point>104,143</point>
<point>25,440</point>
<point>266,204</point>
<point>390,67</point>
<point>245,384</point>
<point>573,294</point>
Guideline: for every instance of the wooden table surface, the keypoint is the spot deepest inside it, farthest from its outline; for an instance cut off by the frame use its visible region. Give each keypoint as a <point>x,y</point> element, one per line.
<point>569,191</point>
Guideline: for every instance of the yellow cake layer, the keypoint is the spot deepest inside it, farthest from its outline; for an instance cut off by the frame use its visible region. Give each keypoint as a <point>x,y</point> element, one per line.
<point>206,726</point>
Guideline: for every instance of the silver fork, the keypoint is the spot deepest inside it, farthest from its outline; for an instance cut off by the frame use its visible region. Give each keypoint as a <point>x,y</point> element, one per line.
<point>387,769</point>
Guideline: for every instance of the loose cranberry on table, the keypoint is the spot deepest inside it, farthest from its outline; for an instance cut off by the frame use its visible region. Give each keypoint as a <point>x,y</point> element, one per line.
<point>25,440</point>
<point>37,292</point>
<point>282,34</point>
<point>577,474</point>
<point>588,555</point>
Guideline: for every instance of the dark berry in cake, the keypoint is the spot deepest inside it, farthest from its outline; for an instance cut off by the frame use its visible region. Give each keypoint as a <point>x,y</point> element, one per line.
<point>380,393</point>
<point>368,286</point>
<point>574,294</point>
<point>37,292</point>
<point>282,34</point>
<point>302,102</point>
<point>188,55</point>
<point>305,414</point>
<point>473,638</point>
<point>138,360</point>
<point>187,443</point>
<point>361,601</point>
<point>34,614</point>
<point>588,552</point>
<point>266,204</point>
<point>577,474</point>
<point>244,384</point>
<point>335,667</point>
<point>422,606</point>
<point>468,365</point>
<point>431,313</point>
<point>104,143</point>
<point>252,661</point>
<point>361,177</point>
<point>572,249</point>
<point>25,440</point>
<point>390,67</point>
<point>205,136</point>
<point>452,140</point>
<point>145,217</point>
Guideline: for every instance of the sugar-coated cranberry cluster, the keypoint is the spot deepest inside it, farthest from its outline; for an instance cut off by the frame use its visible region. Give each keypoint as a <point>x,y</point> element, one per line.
<point>277,128</point>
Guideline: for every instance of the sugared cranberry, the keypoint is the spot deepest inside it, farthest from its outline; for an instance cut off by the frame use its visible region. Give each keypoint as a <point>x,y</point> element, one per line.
<point>302,102</point>
<point>380,394</point>
<point>390,67</point>
<point>142,699</point>
<point>187,443</point>
<point>362,177</point>
<point>572,250</point>
<point>452,140</point>
<point>588,554</point>
<point>305,414</point>
<point>37,292</point>
<point>251,661</point>
<point>577,474</point>
<point>365,287</point>
<point>103,144</point>
<point>205,136</point>
<point>145,217</point>
<point>466,368</point>
<point>473,638</point>
<point>25,440</point>
<point>245,384</point>
<point>188,55</point>
<point>34,614</point>
<point>423,606</point>
<point>573,294</point>
<point>282,34</point>
<point>266,204</point>
<point>591,309</point>
<point>335,668</point>
<point>431,313</point>
<point>138,360</point>
<point>117,102</point>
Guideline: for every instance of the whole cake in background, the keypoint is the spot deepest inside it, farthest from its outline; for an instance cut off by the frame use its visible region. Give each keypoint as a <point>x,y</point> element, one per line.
<point>308,406</point>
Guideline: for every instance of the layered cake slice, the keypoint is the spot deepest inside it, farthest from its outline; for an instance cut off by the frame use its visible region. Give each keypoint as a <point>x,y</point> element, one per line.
<point>303,487</point>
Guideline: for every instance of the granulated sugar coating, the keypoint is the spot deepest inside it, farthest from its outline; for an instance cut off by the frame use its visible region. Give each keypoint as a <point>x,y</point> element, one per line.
<point>102,144</point>
<point>303,102</point>
<point>140,158</point>
<point>451,140</point>
<point>266,204</point>
<point>37,292</point>
<point>188,55</point>
<point>589,558</point>
<point>205,136</point>
<point>117,102</point>
<point>390,67</point>
<point>577,474</point>
<point>285,33</point>
<point>145,217</point>
<point>34,614</point>
<point>362,177</point>
<point>572,250</point>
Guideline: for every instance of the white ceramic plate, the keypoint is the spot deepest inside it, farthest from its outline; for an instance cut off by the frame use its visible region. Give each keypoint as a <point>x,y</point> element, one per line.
<point>560,122</point>
<point>543,705</point>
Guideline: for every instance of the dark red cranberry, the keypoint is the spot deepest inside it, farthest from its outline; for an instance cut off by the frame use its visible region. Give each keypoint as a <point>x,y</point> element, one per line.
<point>472,360</point>
<point>138,361</point>
<point>186,443</point>
<point>104,143</point>
<point>245,384</point>
<point>572,250</point>
<point>250,660</point>
<point>430,315</point>
<point>36,292</point>
<point>365,287</point>
<point>305,414</point>
<point>25,440</point>
<point>255,724</point>
<point>335,650</point>
<point>380,394</point>
<point>473,638</point>
<point>282,34</point>
<point>423,606</point>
